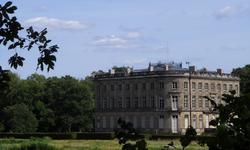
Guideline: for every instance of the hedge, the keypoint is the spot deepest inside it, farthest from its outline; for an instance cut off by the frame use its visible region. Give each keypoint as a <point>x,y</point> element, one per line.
<point>172,137</point>
<point>37,135</point>
<point>60,136</point>
<point>95,135</point>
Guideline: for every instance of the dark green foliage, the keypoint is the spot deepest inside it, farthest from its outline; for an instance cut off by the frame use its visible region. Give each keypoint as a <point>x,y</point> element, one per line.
<point>60,136</point>
<point>244,74</point>
<point>58,104</point>
<point>57,136</point>
<point>127,133</point>
<point>233,123</point>
<point>72,102</point>
<point>4,80</point>
<point>95,135</point>
<point>18,118</point>
<point>188,137</point>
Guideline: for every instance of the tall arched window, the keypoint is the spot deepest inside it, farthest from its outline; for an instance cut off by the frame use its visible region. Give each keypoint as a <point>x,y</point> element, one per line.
<point>201,121</point>
<point>194,122</point>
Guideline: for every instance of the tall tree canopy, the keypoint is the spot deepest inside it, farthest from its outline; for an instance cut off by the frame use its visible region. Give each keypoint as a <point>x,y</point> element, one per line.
<point>59,104</point>
<point>244,74</point>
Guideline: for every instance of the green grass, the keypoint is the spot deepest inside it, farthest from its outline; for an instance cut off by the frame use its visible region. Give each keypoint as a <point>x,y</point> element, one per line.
<point>32,144</point>
<point>113,145</point>
<point>47,144</point>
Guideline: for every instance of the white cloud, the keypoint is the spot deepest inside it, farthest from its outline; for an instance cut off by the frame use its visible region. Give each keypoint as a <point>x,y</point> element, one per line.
<point>225,12</point>
<point>133,34</point>
<point>55,23</point>
<point>111,41</point>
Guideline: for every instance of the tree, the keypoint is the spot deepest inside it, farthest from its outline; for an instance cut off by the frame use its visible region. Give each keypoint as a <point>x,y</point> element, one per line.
<point>127,133</point>
<point>232,124</point>
<point>18,118</point>
<point>10,36</point>
<point>72,102</point>
<point>244,74</point>
<point>188,137</point>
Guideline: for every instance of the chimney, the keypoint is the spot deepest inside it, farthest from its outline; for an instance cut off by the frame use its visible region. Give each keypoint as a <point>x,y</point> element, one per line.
<point>128,70</point>
<point>150,67</point>
<point>112,71</point>
<point>192,68</point>
<point>220,71</point>
<point>166,67</point>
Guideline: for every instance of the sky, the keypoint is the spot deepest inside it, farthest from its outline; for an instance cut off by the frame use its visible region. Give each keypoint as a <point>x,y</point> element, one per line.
<point>98,34</point>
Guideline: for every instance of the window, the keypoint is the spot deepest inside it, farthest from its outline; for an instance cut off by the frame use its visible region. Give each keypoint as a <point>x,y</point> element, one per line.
<point>230,87</point>
<point>161,85</point>
<point>219,87</point>
<point>219,100</point>
<point>186,121</point>
<point>112,88</point>
<point>161,102</point>
<point>206,121</point>
<point>185,101</point>
<point>193,85</point>
<point>120,87</point>
<point>236,89</point>
<point>136,102</point>
<point>201,121</point>
<point>174,102</point>
<point>105,88</point>
<point>112,103</point>
<point>200,102</point>
<point>152,85</point>
<point>144,86</point>
<point>185,85</point>
<point>144,102</point>
<point>206,103</point>
<point>224,87</point>
<point>127,87</point>
<point>120,102</point>
<point>174,85</point>
<point>152,102</point>
<point>206,86</point>
<point>136,86</point>
<point>104,103</point>
<point>193,101</point>
<point>174,123</point>
<point>199,85</point>
<point>212,86</point>
<point>194,122</point>
<point>128,102</point>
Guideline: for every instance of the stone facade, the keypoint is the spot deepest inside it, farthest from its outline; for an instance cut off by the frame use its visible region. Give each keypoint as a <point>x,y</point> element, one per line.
<point>158,98</point>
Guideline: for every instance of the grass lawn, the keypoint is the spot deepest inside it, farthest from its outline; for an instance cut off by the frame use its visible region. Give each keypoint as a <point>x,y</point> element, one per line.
<point>113,145</point>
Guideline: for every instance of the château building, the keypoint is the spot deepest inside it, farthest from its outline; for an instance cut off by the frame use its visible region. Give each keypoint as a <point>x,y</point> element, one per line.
<point>159,98</point>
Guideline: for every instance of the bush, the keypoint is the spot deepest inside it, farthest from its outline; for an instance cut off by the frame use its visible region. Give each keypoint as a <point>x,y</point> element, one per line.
<point>57,136</point>
<point>61,136</point>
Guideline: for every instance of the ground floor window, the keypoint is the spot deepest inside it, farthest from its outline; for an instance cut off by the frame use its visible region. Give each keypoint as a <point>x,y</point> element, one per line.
<point>201,121</point>
<point>186,123</point>
<point>207,121</point>
<point>194,122</point>
<point>174,123</point>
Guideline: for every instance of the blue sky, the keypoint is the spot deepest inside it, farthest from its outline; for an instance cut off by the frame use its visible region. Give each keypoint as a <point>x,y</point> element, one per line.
<point>99,34</point>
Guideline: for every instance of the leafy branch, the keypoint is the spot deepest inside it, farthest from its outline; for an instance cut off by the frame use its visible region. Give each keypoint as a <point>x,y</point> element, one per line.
<point>10,30</point>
